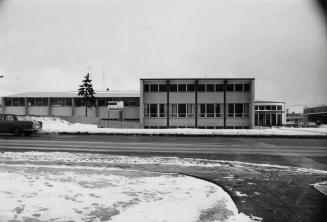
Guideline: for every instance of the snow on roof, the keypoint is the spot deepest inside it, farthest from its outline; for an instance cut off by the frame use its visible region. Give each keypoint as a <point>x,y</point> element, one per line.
<point>262,101</point>
<point>100,94</point>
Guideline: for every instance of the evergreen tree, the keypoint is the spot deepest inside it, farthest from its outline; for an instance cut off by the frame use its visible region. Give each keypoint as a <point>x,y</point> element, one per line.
<point>87,92</point>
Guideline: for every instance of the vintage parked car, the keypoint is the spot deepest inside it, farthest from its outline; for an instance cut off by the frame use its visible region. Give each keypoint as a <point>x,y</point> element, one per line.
<point>9,123</point>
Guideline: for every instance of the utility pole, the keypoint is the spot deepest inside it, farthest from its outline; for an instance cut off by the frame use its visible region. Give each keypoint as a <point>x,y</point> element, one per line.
<point>108,107</point>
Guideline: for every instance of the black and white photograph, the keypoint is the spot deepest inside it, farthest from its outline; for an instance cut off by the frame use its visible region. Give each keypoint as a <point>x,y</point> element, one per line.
<point>163,110</point>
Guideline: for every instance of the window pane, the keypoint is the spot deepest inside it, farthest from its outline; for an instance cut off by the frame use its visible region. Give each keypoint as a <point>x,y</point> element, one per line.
<point>256,107</point>
<point>202,110</point>
<point>174,110</point>
<point>246,87</point>
<point>146,88</point>
<point>273,119</point>
<point>189,110</point>
<point>231,110</point>
<point>162,110</point>
<point>279,107</point>
<point>268,120</point>
<point>217,108</point>
<point>190,87</point>
<point>230,87</point>
<point>153,110</point>
<point>210,110</point>
<point>261,108</point>
<point>219,87</point>
<point>162,87</point>
<point>273,107</point>
<point>210,87</point>
<point>246,110</point>
<point>7,101</point>
<point>14,101</point>
<point>201,87</point>
<point>238,87</point>
<point>268,107</point>
<point>181,110</point>
<point>154,88</point>
<point>173,88</point>
<point>279,119</point>
<point>181,87</point>
<point>146,110</point>
<point>256,120</point>
<point>238,110</point>
<point>21,101</point>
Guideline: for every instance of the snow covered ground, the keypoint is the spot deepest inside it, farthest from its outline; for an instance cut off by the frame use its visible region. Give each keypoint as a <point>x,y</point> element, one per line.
<point>65,193</point>
<point>57,125</point>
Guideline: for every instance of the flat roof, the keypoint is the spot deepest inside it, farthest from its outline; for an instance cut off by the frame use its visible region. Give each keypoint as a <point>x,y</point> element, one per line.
<point>74,94</point>
<point>197,79</point>
<point>259,101</point>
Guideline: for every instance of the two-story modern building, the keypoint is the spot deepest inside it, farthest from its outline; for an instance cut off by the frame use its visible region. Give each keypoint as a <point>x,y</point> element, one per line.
<point>197,103</point>
<point>161,103</point>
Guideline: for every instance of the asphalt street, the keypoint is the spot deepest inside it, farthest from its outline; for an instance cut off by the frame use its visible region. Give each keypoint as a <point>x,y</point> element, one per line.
<point>159,144</point>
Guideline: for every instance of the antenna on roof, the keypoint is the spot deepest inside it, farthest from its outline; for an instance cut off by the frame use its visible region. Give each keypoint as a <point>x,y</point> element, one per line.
<point>103,79</point>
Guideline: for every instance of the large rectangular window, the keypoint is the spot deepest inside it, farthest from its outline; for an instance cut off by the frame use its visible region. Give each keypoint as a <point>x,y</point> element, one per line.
<point>190,87</point>
<point>146,110</point>
<point>210,110</point>
<point>202,110</point>
<point>153,110</point>
<point>230,87</point>
<point>173,87</point>
<point>201,87</point>
<point>246,110</point>
<point>153,87</point>
<point>162,110</point>
<point>210,87</point>
<point>38,101</point>
<point>162,87</point>
<point>256,120</point>
<point>174,110</point>
<point>61,101</point>
<point>146,88</point>
<point>238,110</point>
<point>14,102</point>
<point>246,87</point>
<point>231,110</point>
<point>273,119</point>
<point>181,110</point>
<point>217,109</point>
<point>279,107</point>
<point>190,110</point>
<point>181,87</point>
<point>279,120</point>
<point>238,87</point>
<point>219,87</point>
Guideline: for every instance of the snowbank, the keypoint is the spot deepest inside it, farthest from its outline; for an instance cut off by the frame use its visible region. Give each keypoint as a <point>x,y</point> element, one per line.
<point>46,193</point>
<point>57,125</point>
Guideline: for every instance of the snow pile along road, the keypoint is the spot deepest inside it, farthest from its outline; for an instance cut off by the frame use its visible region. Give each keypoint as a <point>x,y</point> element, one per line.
<point>50,193</point>
<point>57,125</point>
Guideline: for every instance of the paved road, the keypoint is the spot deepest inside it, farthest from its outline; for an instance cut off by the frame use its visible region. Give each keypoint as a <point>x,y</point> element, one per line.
<point>157,144</point>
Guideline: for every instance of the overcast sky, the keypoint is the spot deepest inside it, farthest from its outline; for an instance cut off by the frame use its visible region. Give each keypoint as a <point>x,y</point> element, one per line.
<point>47,45</point>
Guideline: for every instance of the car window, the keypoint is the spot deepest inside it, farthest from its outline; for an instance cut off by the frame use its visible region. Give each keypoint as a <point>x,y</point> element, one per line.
<point>9,118</point>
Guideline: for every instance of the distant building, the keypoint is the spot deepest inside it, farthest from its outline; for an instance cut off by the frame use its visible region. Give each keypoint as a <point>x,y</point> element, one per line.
<point>197,103</point>
<point>270,113</point>
<point>317,114</point>
<point>294,117</point>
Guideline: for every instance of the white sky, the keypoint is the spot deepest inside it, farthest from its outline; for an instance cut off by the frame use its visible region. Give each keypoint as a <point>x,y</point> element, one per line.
<point>47,45</point>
